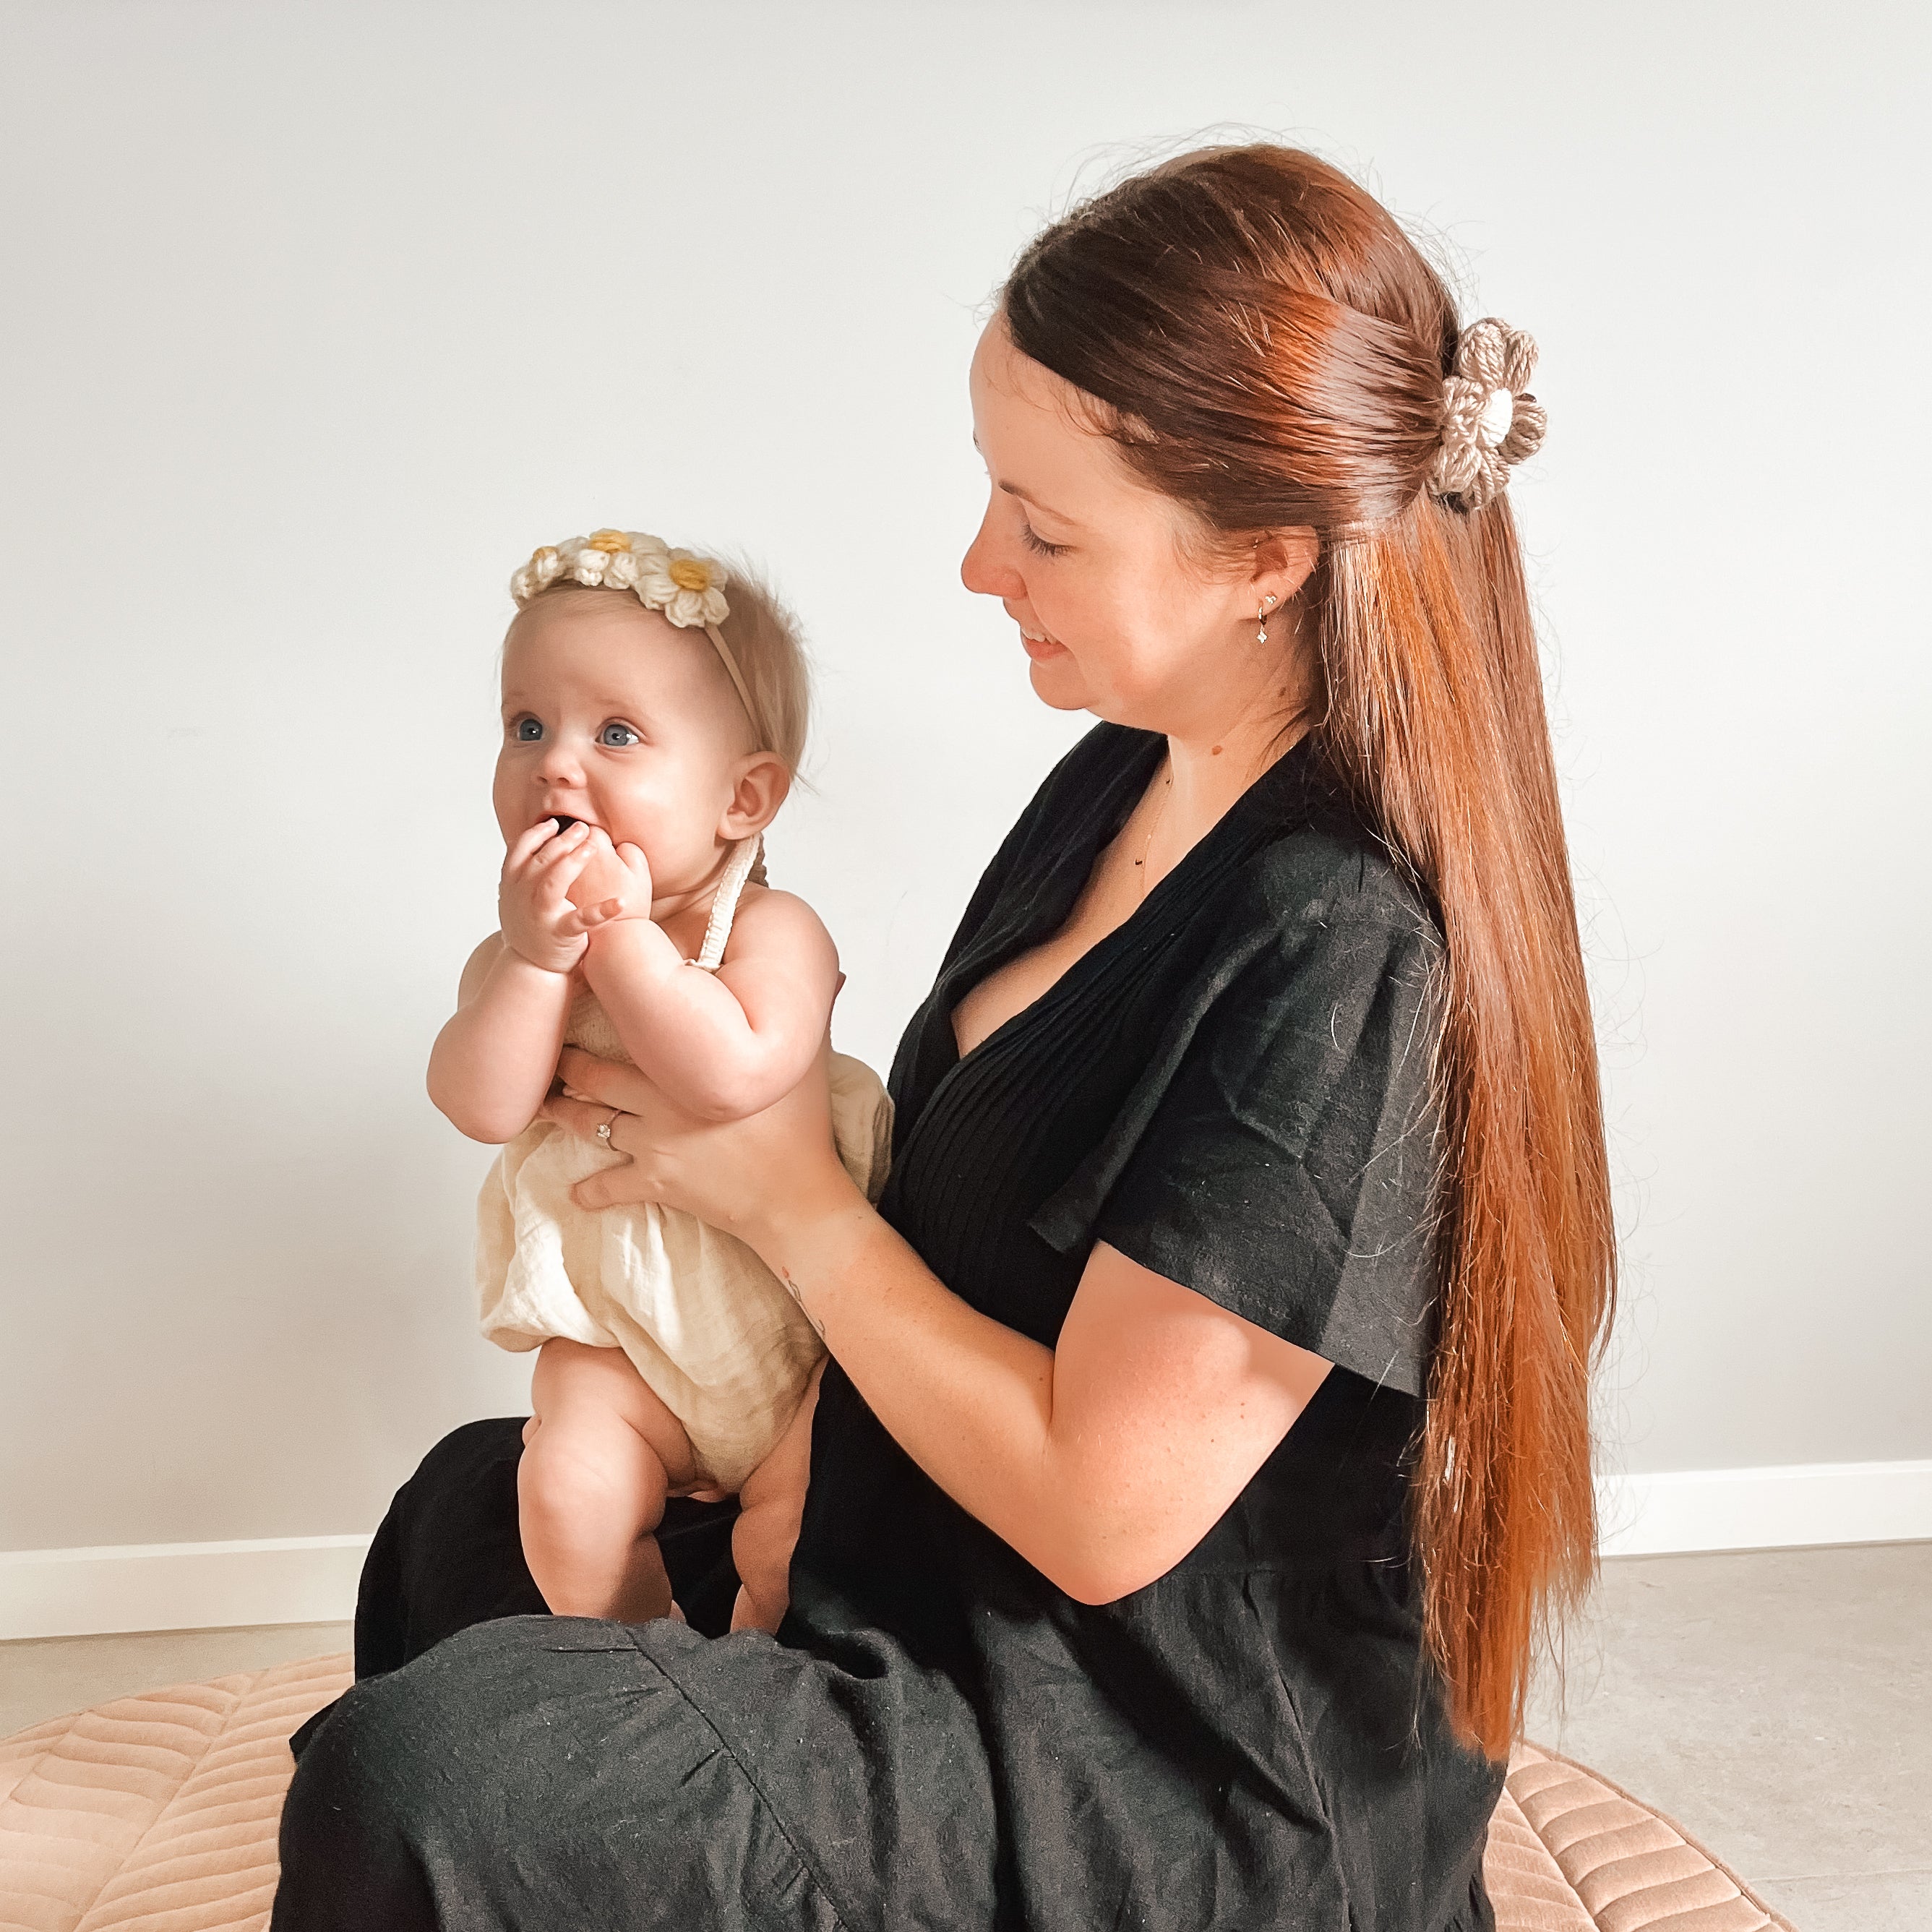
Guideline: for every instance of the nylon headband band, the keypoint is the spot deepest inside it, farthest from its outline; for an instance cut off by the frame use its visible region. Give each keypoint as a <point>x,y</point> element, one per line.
<point>730,663</point>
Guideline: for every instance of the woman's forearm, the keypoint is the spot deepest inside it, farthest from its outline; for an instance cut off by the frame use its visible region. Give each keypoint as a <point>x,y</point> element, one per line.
<point>494,1061</point>
<point>970,1400</point>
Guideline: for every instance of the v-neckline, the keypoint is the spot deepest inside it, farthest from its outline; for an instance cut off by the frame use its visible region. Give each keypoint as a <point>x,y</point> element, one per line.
<point>969,971</point>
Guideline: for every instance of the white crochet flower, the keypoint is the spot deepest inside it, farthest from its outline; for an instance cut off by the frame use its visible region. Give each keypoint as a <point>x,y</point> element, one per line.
<point>689,589</point>
<point>583,562</point>
<point>544,567</point>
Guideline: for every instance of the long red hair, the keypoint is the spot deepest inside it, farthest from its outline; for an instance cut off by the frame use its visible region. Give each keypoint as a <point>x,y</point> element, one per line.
<point>1268,348</point>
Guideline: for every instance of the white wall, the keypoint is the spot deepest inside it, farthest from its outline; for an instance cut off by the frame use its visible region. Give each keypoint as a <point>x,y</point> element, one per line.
<point>318,318</point>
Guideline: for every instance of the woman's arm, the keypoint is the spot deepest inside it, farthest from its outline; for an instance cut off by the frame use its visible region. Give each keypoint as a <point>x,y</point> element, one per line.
<point>725,1044</point>
<point>1103,1460</point>
<point>496,1056</point>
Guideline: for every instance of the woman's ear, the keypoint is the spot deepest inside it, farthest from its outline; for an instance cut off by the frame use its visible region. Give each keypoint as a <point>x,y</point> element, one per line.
<point>763,784</point>
<point>1284,561</point>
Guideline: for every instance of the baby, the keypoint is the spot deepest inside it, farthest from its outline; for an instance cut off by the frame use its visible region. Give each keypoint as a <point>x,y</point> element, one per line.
<point>651,731</point>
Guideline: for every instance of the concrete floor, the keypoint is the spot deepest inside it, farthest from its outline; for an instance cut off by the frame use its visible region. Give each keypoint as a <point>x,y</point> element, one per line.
<point>47,1677</point>
<point>1778,1704</point>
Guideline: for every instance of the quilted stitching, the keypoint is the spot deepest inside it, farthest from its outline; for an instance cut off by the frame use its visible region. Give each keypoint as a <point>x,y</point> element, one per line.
<point>1526,1884</point>
<point>1630,1868</point>
<point>158,1811</point>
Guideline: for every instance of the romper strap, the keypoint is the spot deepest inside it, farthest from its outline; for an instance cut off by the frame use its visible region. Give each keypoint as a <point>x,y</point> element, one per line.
<point>745,865</point>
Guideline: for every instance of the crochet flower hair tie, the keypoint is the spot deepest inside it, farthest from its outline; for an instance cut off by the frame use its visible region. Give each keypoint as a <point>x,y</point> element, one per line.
<point>1473,463</point>
<point>687,588</point>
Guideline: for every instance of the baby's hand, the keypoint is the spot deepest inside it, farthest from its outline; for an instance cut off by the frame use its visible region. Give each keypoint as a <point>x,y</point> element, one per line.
<point>533,904</point>
<point>614,882</point>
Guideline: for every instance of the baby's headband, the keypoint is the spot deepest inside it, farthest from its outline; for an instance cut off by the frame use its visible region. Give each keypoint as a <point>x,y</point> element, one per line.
<point>689,589</point>
<point>1473,463</point>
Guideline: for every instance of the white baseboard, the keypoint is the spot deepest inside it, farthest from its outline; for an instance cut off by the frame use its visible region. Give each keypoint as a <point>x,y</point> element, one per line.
<point>144,1586</point>
<point>1780,1507</point>
<point>300,1579</point>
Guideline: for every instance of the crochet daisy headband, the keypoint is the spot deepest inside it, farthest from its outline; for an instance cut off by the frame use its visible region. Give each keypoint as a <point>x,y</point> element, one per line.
<point>1473,464</point>
<point>687,588</point>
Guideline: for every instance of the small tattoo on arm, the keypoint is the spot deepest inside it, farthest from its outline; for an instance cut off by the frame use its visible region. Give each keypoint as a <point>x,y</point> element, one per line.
<point>792,1289</point>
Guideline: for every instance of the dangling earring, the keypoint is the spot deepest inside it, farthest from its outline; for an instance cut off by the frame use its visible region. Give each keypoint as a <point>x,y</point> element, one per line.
<point>1268,604</point>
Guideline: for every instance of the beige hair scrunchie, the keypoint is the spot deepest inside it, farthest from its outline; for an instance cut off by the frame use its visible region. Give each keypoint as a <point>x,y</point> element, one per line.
<point>1490,356</point>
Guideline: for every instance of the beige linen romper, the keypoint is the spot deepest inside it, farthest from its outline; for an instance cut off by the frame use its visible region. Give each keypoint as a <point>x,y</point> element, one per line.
<point>706,1324</point>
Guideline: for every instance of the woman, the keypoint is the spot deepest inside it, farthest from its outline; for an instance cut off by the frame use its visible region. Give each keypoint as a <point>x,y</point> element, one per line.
<point>1205,1427</point>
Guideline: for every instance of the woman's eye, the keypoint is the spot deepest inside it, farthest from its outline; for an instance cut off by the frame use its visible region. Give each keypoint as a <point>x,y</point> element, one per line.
<point>618,736</point>
<point>527,730</point>
<point>1037,544</point>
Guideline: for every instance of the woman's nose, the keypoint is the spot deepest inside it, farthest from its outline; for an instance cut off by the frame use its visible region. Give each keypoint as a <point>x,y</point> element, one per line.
<point>982,570</point>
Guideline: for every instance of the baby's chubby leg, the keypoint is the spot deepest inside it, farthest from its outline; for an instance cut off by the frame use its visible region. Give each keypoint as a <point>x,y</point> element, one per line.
<point>600,1454</point>
<point>771,1502</point>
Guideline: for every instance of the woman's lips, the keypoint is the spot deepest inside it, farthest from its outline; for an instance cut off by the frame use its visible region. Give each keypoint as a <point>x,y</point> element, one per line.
<point>1040,648</point>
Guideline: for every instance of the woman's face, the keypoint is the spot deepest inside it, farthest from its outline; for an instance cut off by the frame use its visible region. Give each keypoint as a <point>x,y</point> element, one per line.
<point>1090,564</point>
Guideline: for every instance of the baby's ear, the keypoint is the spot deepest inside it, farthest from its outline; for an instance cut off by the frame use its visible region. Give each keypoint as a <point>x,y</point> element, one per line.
<point>764,782</point>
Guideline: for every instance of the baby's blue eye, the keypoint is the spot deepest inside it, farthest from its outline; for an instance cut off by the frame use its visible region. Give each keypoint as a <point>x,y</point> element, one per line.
<point>618,737</point>
<point>527,730</point>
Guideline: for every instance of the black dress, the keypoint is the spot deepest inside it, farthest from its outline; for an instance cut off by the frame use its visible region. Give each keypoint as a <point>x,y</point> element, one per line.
<point>1231,1088</point>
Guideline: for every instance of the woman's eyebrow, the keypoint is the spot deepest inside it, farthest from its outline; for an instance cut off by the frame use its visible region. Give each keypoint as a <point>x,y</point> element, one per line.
<point>1027,496</point>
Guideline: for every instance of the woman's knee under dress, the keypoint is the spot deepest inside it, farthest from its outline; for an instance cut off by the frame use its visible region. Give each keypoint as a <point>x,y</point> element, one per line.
<point>543,1772</point>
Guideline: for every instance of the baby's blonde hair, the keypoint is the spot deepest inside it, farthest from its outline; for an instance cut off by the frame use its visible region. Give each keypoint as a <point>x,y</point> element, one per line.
<point>768,641</point>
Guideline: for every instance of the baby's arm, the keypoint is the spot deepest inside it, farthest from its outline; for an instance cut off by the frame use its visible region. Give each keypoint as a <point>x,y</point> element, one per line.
<point>493,1062</point>
<point>725,1044</point>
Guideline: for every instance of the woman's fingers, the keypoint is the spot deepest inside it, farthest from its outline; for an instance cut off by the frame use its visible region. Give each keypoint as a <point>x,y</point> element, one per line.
<point>582,1118</point>
<point>608,1082</point>
<point>602,1189</point>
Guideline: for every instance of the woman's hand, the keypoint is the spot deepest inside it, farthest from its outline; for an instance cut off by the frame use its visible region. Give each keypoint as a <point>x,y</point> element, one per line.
<point>758,1178</point>
<point>1103,1460</point>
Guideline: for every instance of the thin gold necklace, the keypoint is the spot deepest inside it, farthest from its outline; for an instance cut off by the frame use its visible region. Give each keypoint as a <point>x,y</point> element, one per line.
<point>1160,813</point>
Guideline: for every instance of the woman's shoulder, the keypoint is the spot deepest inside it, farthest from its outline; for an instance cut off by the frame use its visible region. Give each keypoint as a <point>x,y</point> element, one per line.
<point>1318,866</point>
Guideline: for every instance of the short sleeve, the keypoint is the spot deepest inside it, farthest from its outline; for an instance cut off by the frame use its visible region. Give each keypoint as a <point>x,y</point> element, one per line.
<point>1281,1157</point>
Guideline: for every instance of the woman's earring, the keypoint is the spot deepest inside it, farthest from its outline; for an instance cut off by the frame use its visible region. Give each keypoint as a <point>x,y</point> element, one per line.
<point>1268,604</point>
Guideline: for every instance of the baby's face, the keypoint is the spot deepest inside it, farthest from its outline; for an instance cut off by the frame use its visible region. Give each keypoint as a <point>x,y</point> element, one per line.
<point>612,715</point>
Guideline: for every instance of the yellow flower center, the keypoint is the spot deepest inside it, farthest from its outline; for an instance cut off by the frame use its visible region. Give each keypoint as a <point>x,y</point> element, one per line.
<point>688,574</point>
<point>609,541</point>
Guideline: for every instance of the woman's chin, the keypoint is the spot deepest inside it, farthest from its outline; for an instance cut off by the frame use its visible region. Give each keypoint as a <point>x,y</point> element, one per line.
<point>1056,681</point>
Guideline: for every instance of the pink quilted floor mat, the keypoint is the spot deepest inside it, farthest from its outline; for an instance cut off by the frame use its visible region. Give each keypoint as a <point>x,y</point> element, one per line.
<point>159,1812</point>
